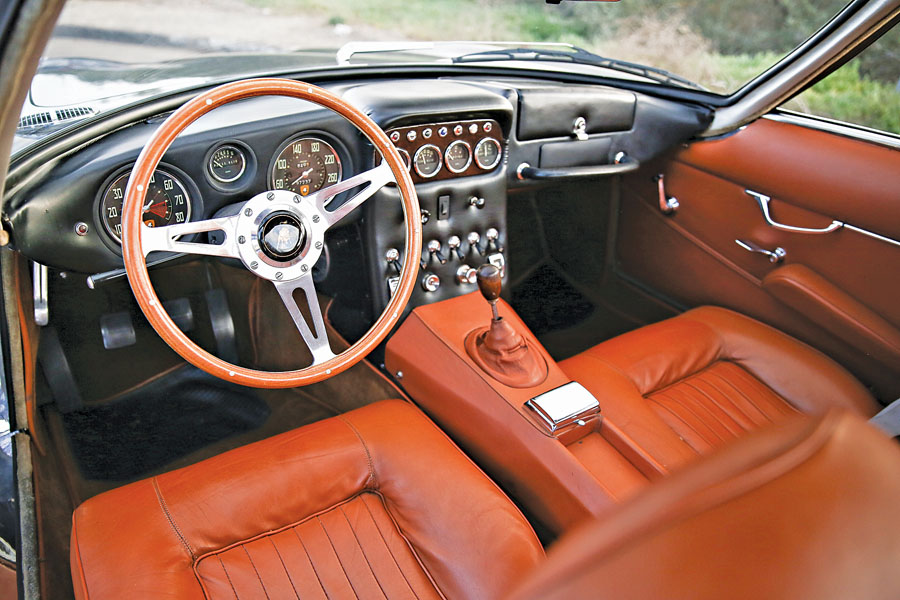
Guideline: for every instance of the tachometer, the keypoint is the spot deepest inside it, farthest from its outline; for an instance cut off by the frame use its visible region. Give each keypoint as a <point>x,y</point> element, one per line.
<point>166,203</point>
<point>305,165</point>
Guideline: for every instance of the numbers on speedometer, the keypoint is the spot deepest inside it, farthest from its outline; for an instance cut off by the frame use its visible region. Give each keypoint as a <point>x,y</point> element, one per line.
<point>166,203</point>
<point>305,165</point>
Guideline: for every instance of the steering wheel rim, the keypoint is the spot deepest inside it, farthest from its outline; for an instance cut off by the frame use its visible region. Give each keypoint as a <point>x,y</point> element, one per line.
<point>138,240</point>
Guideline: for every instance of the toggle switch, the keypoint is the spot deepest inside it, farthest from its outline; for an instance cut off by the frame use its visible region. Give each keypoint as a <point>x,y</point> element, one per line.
<point>392,258</point>
<point>454,243</point>
<point>434,248</point>
<point>476,202</point>
<point>493,237</point>
<point>473,239</point>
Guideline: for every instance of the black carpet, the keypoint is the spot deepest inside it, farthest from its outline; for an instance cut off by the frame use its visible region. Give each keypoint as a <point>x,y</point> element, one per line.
<point>162,421</point>
<point>546,302</point>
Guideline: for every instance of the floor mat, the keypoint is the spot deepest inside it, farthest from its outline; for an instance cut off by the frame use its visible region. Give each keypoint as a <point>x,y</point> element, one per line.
<point>158,423</point>
<point>545,301</point>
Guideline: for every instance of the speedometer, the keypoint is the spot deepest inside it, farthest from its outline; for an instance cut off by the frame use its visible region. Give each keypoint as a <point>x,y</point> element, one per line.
<point>305,165</point>
<point>166,203</point>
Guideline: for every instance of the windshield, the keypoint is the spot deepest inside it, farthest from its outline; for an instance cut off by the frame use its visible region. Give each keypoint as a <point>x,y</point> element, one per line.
<point>108,53</point>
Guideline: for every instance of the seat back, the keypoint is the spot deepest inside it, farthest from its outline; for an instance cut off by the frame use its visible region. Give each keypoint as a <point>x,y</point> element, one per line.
<point>808,509</point>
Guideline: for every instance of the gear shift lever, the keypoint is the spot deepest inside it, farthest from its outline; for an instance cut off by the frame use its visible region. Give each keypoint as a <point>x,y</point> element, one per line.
<point>500,350</point>
<point>490,283</point>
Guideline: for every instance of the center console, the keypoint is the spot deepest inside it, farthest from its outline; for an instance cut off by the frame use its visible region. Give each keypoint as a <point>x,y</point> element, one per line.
<point>511,407</point>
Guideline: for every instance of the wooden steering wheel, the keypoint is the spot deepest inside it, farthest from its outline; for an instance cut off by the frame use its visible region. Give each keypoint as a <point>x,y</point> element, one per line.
<point>277,235</point>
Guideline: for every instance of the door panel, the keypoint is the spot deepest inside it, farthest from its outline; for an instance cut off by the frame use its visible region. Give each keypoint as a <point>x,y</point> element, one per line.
<point>842,299</point>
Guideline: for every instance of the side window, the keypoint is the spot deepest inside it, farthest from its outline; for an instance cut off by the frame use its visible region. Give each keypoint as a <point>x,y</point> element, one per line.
<point>865,91</point>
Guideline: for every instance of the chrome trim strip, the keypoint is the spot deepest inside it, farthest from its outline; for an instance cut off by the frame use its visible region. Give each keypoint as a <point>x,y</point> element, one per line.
<point>801,66</point>
<point>848,130</point>
<point>872,234</point>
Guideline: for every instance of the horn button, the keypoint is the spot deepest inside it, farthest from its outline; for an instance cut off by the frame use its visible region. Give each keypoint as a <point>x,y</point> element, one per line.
<point>282,236</point>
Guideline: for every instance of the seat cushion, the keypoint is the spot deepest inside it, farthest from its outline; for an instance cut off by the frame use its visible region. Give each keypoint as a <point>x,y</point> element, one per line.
<point>697,381</point>
<point>803,509</point>
<point>374,503</point>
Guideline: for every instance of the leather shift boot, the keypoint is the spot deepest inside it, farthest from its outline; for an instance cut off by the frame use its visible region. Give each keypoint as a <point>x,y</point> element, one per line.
<point>505,355</point>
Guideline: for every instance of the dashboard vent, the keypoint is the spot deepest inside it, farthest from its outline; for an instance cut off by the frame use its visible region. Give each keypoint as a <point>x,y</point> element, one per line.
<point>64,114</point>
<point>35,120</point>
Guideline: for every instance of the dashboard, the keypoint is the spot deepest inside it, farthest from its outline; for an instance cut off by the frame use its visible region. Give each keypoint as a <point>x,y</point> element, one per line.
<point>461,139</point>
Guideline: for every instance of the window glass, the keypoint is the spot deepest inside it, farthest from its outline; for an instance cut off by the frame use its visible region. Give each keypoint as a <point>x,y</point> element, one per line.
<point>865,91</point>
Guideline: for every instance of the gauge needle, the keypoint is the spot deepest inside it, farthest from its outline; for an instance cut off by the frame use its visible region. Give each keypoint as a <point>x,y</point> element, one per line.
<point>303,175</point>
<point>158,209</point>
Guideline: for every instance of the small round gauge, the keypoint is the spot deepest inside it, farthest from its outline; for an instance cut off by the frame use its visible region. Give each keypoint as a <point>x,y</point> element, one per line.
<point>227,163</point>
<point>305,165</point>
<point>406,159</point>
<point>487,153</point>
<point>166,203</point>
<point>458,156</point>
<point>427,161</point>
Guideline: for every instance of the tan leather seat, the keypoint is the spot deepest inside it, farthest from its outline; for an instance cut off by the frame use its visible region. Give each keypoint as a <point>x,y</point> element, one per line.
<point>697,381</point>
<point>375,503</point>
<point>807,509</point>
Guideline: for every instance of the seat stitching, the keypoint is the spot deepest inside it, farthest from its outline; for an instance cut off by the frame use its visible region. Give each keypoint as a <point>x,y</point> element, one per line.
<point>365,448</point>
<point>753,380</point>
<point>165,509</point>
<point>712,413</point>
<point>311,563</point>
<point>745,395</point>
<point>678,417</point>
<point>363,552</point>
<point>228,577</point>
<point>676,400</point>
<point>284,566</point>
<point>727,397</point>
<point>252,564</point>
<point>388,548</point>
<point>409,544</point>
<point>337,556</point>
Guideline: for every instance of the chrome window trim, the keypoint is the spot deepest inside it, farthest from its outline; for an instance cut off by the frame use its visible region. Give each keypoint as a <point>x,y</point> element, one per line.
<point>803,65</point>
<point>848,130</point>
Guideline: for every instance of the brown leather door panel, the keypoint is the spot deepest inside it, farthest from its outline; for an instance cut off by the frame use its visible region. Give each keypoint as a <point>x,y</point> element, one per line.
<point>844,302</point>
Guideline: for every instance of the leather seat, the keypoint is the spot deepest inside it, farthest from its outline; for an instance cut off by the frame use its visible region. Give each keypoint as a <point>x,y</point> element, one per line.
<point>374,503</point>
<point>806,509</point>
<point>378,503</point>
<point>687,385</point>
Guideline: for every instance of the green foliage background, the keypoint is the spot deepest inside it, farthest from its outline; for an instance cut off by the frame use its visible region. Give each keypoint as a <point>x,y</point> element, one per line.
<point>720,44</point>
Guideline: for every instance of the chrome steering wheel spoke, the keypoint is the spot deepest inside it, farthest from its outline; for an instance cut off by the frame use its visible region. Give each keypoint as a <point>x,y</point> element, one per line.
<point>162,239</point>
<point>316,337</point>
<point>373,179</point>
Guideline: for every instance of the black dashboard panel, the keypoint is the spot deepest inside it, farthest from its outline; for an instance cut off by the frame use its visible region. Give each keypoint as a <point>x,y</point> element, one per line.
<point>55,215</point>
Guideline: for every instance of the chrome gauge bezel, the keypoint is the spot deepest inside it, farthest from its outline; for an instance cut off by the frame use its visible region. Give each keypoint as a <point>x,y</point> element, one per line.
<point>407,160</point>
<point>447,156</point>
<point>303,136</point>
<point>187,185</point>
<point>240,151</point>
<point>440,162</point>
<point>483,141</point>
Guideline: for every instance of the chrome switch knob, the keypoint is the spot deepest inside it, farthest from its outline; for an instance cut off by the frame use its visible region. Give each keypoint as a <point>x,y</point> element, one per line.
<point>493,236</point>
<point>473,239</point>
<point>392,258</point>
<point>431,282</point>
<point>454,243</point>
<point>434,248</point>
<point>466,274</point>
<point>476,202</point>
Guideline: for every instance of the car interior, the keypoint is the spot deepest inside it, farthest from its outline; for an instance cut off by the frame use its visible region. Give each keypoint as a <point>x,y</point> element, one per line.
<point>455,331</point>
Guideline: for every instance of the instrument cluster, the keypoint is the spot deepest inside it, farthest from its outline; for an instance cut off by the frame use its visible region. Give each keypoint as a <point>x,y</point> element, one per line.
<point>436,151</point>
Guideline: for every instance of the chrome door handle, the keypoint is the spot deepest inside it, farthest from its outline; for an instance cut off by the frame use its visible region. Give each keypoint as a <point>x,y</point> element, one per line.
<point>763,202</point>
<point>776,255</point>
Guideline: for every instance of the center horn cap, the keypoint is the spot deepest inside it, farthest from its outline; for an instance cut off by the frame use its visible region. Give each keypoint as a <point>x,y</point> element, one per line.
<point>282,236</point>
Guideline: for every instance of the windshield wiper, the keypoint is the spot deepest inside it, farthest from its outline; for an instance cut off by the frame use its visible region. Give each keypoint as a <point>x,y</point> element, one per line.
<point>574,54</point>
